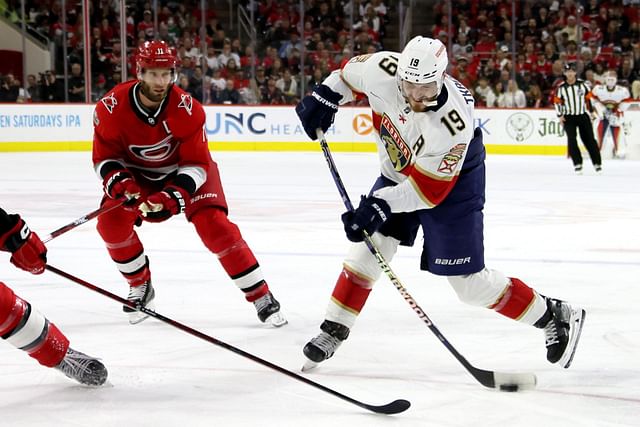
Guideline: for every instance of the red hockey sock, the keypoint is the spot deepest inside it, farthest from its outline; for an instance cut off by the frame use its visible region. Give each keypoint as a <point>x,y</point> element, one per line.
<point>516,300</point>
<point>52,349</point>
<point>351,291</point>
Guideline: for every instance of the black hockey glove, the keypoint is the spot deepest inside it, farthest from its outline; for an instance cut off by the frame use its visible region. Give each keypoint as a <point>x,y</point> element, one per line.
<point>318,110</point>
<point>369,217</point>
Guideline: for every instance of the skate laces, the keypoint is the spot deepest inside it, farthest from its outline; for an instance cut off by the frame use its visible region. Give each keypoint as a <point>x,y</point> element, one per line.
<point>137,293</point>
<point>326,342</point>
<point>551,333</point>
<point>263,302</point>
<point>76,364</point>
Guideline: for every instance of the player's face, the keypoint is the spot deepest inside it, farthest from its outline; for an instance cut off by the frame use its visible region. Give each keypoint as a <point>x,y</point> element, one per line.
<point>156,82</point>
<point>420,95</point>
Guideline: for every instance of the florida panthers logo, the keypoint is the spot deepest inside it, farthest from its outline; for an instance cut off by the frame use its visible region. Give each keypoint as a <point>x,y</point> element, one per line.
<point>398,151</point>
<point>109,102</point>
<point>186,102</point>
<point>156,152</point>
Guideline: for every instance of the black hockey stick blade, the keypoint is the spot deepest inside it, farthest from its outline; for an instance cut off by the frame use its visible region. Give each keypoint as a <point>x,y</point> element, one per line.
<point>394,407</point>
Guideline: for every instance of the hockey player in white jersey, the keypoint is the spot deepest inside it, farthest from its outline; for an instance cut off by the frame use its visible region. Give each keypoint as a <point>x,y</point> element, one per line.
<point>432,177</point>
<point>609,101</point>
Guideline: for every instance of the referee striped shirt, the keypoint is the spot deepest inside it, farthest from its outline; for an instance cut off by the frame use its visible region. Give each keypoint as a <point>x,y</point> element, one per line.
<point>573,99</point>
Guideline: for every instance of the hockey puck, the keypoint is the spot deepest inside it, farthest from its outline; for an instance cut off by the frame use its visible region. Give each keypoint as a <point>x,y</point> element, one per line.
<point>509,387</point>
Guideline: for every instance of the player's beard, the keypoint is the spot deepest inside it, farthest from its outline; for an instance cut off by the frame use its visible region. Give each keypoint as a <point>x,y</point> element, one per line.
<point>417,107</point>
<point>153,94</point>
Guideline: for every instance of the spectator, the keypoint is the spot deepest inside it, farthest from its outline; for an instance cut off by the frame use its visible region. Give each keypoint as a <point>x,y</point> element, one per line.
<point>33,89</point>
<point>273,95</point>
<point>100,88</point>
<point>485,97</point>
<point>513,97</point>
<point>226,55</point>
<point>211,61</point>
<point>51,89</point>
<point>229,95</point>
<point>9,90</point>
<point>76,84</point>
<point>289,87</point>
<point>535,98</point>
<point>258,84</point>
<point>217,81</point>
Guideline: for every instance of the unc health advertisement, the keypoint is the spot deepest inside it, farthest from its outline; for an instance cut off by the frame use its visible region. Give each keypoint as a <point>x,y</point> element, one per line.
<point>63,127</point>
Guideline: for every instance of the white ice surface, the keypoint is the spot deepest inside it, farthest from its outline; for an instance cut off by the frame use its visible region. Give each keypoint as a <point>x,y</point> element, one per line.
<point>571,237</point>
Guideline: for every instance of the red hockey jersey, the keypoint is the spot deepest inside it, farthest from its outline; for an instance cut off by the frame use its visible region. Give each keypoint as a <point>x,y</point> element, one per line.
<point>169,141</point>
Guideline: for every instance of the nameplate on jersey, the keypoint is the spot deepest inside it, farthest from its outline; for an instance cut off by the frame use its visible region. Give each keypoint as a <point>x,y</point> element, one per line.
<point>398,151</point>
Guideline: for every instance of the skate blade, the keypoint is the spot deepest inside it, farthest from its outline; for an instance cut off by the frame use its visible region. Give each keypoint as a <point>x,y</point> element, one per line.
<point>576,321</point>
<point>136,317</point>
<point>276,320</point>
<point>309,365</point>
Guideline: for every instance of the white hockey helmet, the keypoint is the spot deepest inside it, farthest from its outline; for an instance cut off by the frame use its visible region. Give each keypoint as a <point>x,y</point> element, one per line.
<point>421,69</point>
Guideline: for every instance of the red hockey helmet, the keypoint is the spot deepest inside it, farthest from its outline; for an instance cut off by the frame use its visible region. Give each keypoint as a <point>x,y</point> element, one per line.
<point>155,54</point>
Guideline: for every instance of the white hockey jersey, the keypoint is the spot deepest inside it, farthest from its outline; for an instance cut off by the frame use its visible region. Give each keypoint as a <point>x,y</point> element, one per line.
<point>610,103</point>
<point>423,152</point>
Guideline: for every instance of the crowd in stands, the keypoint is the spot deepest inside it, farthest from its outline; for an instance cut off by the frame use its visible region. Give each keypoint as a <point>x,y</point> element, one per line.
<point>295,52</point>
<point>596,35</point>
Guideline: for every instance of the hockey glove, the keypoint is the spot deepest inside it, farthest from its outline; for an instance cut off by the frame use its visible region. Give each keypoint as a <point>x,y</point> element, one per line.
<point>120,183</point>
<point>29,253</point>
<point>161,206</point>
<point>369,217</point>
<point>318,110</point>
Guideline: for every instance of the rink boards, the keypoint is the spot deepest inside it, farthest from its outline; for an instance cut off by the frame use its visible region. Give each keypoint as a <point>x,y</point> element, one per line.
<point>68,127</point>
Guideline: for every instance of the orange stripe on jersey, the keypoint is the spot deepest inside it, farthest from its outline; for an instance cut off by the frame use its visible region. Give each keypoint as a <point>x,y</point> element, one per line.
<point>432,189</point>
<point>557,100</point>
<point>515,301</point>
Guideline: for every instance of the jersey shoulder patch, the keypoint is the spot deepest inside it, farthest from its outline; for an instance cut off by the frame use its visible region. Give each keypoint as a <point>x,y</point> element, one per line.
<point>186,115</point>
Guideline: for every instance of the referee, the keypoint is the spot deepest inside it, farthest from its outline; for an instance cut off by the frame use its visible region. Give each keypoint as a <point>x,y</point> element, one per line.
<point>573,109</point>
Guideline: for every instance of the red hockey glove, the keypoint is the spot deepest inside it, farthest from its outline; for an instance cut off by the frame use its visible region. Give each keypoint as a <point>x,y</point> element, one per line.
<point>29,253</point>
<point>120,183</point>
<point>161,206</point>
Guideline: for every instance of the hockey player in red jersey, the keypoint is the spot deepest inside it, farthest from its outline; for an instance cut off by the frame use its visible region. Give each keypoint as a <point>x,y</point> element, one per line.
<point>23,326</point>
<point>150,147</point>
<point>432,178</point>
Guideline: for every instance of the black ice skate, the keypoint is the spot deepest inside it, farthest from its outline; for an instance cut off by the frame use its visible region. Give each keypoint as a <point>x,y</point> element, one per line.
<point>82,368</point>
<point>324,345</point>
<point>140,295</point>
<point>268,309</point>
<point>562,331</point>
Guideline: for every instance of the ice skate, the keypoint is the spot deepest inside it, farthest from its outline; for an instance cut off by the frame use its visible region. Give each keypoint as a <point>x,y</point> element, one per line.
<point>140,295</point>
<point>85,369</point>
<point>562,332</point>
<point>268,309</point>
<point>578,169</point>
<point>598,169</point>
<point>324,345</point>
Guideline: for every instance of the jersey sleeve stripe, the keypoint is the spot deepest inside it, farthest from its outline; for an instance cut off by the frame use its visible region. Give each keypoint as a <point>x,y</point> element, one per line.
<point>432,189</point>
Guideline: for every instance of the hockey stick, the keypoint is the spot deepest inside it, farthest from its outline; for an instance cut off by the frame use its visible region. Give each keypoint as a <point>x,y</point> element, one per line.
<point>490,379</point>
<point>394,407</point>
<point>88,217</point>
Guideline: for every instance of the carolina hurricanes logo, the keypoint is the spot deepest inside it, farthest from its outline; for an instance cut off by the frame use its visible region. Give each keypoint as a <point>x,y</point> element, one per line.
<point>156,152</point>
<point>109,102</point>
<point>186,102</point>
